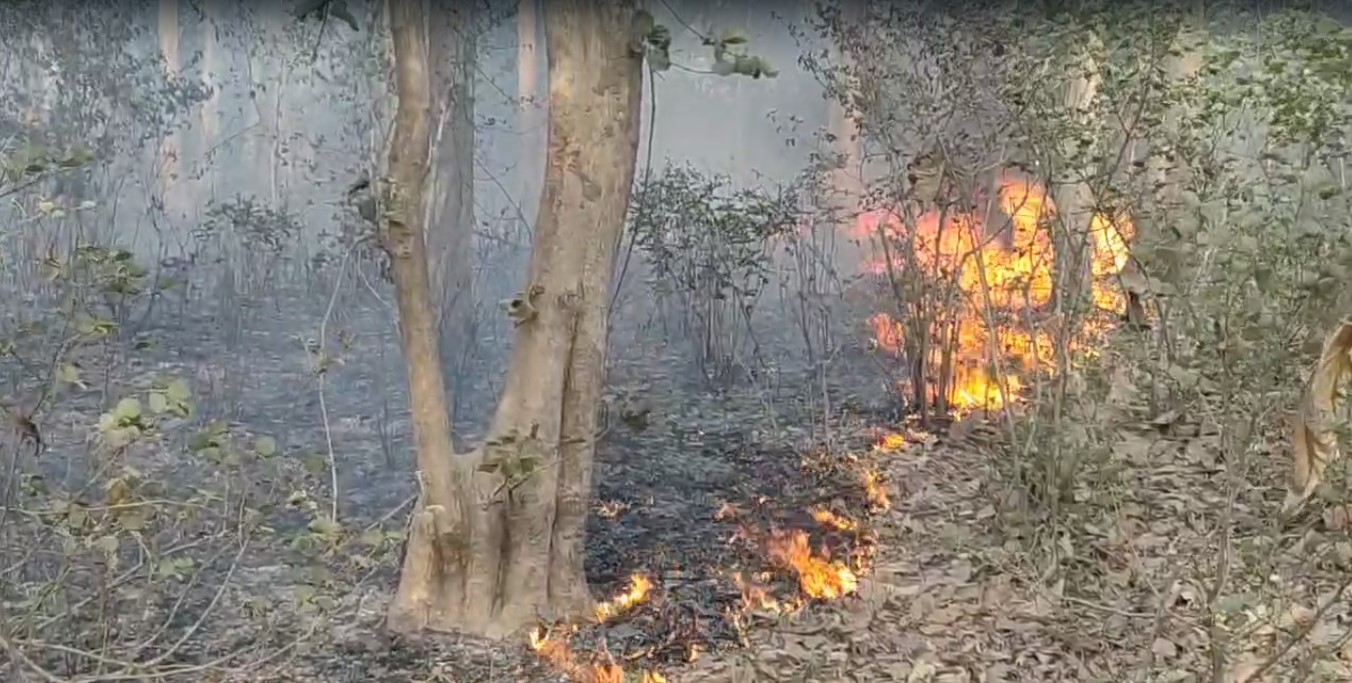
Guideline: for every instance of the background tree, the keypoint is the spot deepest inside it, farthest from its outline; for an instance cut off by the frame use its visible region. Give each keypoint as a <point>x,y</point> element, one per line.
<point>450,182</point>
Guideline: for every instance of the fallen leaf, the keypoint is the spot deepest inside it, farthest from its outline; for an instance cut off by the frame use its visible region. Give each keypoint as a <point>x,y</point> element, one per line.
<point>1316,441</point>
<point>1163,647</point>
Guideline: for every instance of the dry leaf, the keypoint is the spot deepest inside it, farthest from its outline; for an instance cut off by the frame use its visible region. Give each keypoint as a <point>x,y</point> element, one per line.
<point>1316,443</point>
<point>921,671</point>
<point>1165,648</point>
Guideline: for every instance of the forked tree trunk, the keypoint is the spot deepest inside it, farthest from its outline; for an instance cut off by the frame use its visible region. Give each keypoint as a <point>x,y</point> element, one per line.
<point>450,183</point>
<point>497,538</point>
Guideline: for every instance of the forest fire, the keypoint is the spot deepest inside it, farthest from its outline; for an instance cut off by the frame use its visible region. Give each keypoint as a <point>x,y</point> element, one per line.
<point>875,492</point>
<point>554,648</point>
<point>639,588</point>
<point>996,280</point>
<point>818,577</point>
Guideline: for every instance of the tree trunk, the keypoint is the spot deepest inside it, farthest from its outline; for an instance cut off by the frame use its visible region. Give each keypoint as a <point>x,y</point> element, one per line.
<point>1071,191</point>
<point>532,110</point>
<point>172,145</point>
<point>1169,177</point>
<point>497,539</point>
<point>847,184</point>
<point>211,108</point>
<point>450,183</point>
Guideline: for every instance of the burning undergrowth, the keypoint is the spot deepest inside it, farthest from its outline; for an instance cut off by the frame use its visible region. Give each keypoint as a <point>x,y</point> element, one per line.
<point>803,536</point>
<point>976,292</point>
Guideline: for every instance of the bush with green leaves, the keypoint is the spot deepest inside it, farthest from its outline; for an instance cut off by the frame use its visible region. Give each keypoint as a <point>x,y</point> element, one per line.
<point>708,249</point>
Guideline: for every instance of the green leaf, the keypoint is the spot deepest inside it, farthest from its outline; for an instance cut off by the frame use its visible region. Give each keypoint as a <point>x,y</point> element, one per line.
<point>265,446</point>
<point>658,60</point>
<point>326,527</point>
<point>200,441</point>
<point>177,390</point>
<point>157,402</point>
<point>127,409</point>
<point>108,544</point>
<point>69,373</point>
<point>315,463</point>
<point>733,36</point>
<point>372,537</point>
<point>132,519</point>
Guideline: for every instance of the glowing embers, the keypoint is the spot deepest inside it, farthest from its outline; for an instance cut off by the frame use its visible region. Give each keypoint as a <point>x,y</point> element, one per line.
<point>987,291</point>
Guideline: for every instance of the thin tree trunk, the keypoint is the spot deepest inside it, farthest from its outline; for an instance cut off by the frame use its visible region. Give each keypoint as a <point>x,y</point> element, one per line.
<point>1071,191</point>
<point>450,186</point>
<point>172,145</point>
<point>846,181</point>
<point>497,539</point>
<point>210,112</point>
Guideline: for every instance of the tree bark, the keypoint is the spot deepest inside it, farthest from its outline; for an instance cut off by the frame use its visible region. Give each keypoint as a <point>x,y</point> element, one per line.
<point>497,538</point>
<point>172,145</point>
<point>211,108</point>
<point>450,184</point>
<point>528,169</point>
<point>1072,193</point>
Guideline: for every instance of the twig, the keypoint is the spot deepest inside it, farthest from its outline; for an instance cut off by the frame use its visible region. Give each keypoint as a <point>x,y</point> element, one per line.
<point>23,659</point>
<point>1302,634</point>
<point>323,372</point>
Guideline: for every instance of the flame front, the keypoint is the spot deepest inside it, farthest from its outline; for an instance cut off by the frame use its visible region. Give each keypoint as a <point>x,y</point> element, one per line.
<point>1000,279</point>
<point>639,586</point>
<point>557,652</point>
<point>818,577</point>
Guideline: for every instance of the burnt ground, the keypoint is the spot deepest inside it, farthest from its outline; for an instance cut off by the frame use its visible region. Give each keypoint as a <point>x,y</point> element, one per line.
<point>966,585</point>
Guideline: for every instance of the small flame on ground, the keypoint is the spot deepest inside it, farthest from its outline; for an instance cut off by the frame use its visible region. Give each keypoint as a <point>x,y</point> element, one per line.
<point>818,577</point>
<point>757,597</point>
<point>639,587</point>
<point>875,491</point>
<point>830,519</point>
<point>891,442</point>
<point>612,509</point>
<point>726,511</point>
<point>559,654</point>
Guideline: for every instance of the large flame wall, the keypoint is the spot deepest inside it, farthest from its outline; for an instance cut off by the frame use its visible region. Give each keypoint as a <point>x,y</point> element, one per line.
<point>1001,274</point>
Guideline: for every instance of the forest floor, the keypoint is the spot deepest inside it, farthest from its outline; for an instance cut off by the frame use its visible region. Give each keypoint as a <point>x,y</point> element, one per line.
<point>756,541</point>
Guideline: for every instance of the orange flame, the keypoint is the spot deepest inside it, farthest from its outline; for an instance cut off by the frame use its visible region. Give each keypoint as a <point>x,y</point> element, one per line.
<point>560,655</point>
<point>817,577</point>
<point>875,492</point>
<point>827,518</point>
<point>999,278</point>
<point>639,586</point>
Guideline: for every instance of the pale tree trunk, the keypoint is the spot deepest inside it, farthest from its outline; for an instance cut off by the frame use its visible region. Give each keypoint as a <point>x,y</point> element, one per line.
<point>846,180</point>
<point>450,181</point>
<point>210,112</point>
<point>1168,177</point>
<point>497,539</point>
<point>1072,194</point>
<point>532,121</point>
<point>172,146</point>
